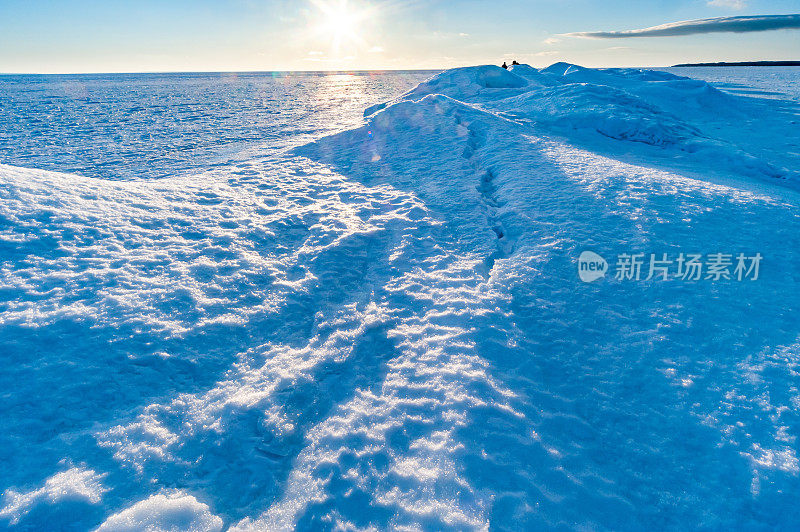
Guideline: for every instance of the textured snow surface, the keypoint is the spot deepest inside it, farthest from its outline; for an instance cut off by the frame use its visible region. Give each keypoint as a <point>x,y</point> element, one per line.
<point>164,513</point>
<point>384,328</point>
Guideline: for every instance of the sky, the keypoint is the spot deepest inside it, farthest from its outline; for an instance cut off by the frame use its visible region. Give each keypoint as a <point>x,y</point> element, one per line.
<point>75,36</point>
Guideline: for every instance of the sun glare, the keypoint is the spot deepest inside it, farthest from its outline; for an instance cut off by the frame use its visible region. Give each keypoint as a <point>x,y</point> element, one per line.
<point>340,23</point>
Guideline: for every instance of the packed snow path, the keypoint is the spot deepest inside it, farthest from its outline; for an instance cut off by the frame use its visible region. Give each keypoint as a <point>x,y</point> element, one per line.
<point>386,328</point>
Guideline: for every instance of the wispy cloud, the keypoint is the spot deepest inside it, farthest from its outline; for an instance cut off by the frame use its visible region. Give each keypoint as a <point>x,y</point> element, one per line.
<point>728,4</point>
<point>708,25</point>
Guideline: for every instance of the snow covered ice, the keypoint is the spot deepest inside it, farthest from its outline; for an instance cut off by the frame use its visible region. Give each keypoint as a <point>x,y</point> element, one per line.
<point>380,325</point>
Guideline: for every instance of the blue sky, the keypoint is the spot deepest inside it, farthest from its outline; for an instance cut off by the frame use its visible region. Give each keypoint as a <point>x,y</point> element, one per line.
<point>227,35</point>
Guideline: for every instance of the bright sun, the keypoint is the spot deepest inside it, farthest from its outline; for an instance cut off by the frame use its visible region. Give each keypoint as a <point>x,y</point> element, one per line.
<point>340,23</point>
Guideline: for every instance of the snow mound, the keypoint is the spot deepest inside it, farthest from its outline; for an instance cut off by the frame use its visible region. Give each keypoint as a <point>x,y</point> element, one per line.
<point>534,76</point>
<point>677,121</point>
<point>579,74</point>
<point>562,69</point>
<point>469,80</point>
<point>76,484</point>
<point>676,94</point>
<point>473,83</point>
<point>603,109</point>
<point>173,512</point>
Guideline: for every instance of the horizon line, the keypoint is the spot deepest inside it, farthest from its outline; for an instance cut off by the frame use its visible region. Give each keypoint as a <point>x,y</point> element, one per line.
<point>356,71</point>
<point>359,71</point>
<point>220,72</point>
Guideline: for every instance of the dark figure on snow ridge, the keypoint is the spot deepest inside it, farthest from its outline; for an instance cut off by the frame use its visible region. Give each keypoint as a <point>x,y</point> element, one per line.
<point>514,62</point>
<point>505,65</point>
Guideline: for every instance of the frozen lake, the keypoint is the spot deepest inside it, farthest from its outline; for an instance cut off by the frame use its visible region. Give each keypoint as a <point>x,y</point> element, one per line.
<point>122,126</point>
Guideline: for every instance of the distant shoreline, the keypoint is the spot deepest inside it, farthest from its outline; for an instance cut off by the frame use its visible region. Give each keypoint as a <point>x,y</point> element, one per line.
<point>741,63</point>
